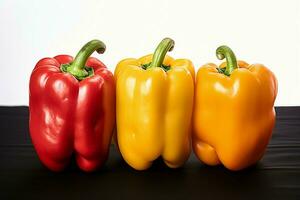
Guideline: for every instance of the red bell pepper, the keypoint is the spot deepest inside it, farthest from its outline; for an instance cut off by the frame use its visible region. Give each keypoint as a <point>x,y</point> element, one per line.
<point>72,109</point>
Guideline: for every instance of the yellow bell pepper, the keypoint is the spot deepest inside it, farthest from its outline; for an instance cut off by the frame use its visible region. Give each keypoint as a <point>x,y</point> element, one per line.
<point>234,112</point>
<point>154,108</point>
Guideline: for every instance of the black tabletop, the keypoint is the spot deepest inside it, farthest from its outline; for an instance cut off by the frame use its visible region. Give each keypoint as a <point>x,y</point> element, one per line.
<point>276,176</point>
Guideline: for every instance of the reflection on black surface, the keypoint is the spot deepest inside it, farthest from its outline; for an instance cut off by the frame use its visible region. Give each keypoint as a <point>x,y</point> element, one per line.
<point>118,180</point>
<point>276,176</point>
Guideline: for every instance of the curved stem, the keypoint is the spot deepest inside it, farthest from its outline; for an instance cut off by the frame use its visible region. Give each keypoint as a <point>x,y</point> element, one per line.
<point>225,52</point>
<point>160,52</point>
<point>77,68</point>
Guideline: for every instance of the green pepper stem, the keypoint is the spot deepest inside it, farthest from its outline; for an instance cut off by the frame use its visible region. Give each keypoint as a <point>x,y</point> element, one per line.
<point>231,63</point>
<point>160,52</point>
<point>77,67</point>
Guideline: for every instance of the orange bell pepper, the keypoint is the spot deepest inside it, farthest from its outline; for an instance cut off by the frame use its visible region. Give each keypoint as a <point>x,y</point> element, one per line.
<point>234,111</point>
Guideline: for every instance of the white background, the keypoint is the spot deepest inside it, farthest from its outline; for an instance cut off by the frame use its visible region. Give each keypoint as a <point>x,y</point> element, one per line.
<point>258,31</point>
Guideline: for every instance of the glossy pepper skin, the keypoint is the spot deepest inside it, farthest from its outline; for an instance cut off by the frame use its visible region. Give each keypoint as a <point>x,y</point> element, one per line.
<point>154,108</point>
<point>234,112</point>
<point>72,111</point>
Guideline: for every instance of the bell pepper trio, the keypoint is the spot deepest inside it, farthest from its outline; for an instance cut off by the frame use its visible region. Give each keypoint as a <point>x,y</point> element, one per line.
<point>161,110</point>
